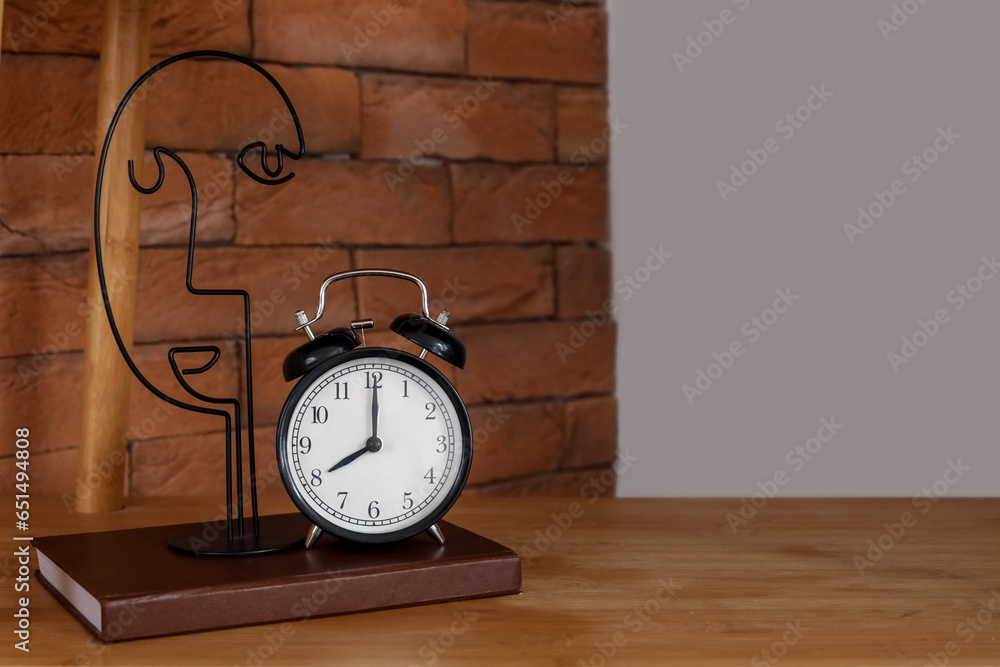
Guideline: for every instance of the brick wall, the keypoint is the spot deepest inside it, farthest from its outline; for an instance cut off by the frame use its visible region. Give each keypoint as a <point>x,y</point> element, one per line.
<point>506,98</point>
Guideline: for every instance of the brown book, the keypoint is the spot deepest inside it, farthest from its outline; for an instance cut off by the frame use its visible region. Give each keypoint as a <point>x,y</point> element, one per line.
<point>127,584</point>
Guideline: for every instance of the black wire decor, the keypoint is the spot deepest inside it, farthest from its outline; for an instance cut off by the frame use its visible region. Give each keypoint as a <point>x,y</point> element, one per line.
<point>264,535</point>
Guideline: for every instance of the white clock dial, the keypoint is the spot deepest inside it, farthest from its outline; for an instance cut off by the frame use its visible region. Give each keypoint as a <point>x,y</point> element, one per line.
<point>375,445</point>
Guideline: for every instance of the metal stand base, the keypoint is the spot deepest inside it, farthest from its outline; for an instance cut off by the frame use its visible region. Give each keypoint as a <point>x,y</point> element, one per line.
<point>276,534</point>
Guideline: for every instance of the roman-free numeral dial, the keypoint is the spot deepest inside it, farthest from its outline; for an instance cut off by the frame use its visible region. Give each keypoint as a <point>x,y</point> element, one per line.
<point>376,444</point>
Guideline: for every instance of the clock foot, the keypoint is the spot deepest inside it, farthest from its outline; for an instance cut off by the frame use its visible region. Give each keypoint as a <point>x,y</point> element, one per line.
<point>436,534</point>
<point>313,536</point>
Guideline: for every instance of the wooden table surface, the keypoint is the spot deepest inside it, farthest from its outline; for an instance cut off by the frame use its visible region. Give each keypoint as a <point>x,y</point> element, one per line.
<point>627,582</point>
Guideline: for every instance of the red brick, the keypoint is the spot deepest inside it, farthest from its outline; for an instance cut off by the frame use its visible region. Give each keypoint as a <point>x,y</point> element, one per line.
<point>418,35</point>
<point>345,202</point>
<point>197,105</point>
<point>270,388</point>
<point>52,473</point>
<point>188,25</point>
<point>47,203</point>
<point>166,214</point>
<point>62,27</point>
<point>583,279</point>
<point>582,122</point>
<point>591,432</point>
<point>494,202</point>
<point>536,41</point>
<point>515,440</point>
<point>573,483</point>
<point>47,297</point>
<point>475,283</point>
<point>196,466</point>
<point>222,105</point>
<point>46,394</point>
<point>55,107</point>
<point>75,27</point>
<point>519,361</point>
<point>150,417</point>
<point>279,280</point>
<point>41,296</point>
<point>407,118</point>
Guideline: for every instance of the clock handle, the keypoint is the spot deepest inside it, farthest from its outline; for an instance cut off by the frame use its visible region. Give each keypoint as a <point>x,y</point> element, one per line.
<point>362,273</point>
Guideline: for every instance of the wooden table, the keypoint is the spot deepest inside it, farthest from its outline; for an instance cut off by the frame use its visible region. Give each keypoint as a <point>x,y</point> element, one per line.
<point>642,581</point>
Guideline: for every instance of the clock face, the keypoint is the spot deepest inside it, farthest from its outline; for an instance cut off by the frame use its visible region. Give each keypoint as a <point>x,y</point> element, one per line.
<point>374,445</point>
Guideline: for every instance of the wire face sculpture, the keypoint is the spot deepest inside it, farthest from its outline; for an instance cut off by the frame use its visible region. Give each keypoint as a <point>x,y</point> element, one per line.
<point>264,535</point>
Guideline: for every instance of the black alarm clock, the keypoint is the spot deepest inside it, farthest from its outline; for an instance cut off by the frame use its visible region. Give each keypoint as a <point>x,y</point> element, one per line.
<point>374,444</point>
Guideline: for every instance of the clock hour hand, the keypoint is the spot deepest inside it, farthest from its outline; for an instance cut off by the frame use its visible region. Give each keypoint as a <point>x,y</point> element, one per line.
<point>350,458</point>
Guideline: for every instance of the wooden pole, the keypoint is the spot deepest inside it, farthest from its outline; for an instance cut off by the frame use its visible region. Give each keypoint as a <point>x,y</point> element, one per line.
<point>106,377</point>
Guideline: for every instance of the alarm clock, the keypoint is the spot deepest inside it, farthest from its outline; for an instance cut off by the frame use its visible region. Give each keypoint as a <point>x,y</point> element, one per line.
<point>374,444</point>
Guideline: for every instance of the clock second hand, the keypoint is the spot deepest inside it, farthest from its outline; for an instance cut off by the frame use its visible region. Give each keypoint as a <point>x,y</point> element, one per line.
<point>373,444</point>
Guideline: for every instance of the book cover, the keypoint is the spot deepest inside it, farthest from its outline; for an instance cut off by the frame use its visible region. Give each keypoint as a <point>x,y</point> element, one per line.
<point>129,584</point>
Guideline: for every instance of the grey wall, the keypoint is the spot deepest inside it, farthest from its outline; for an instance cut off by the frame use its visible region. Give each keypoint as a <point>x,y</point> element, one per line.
<point>827,356</point>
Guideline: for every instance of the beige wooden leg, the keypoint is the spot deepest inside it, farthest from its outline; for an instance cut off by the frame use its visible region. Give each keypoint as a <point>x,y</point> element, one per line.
<point>106,379</point>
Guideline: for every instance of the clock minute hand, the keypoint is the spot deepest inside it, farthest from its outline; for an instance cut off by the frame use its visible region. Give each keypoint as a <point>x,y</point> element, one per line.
<point>375,411</point>
<point>349,458</point>
<point>373,444</point>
